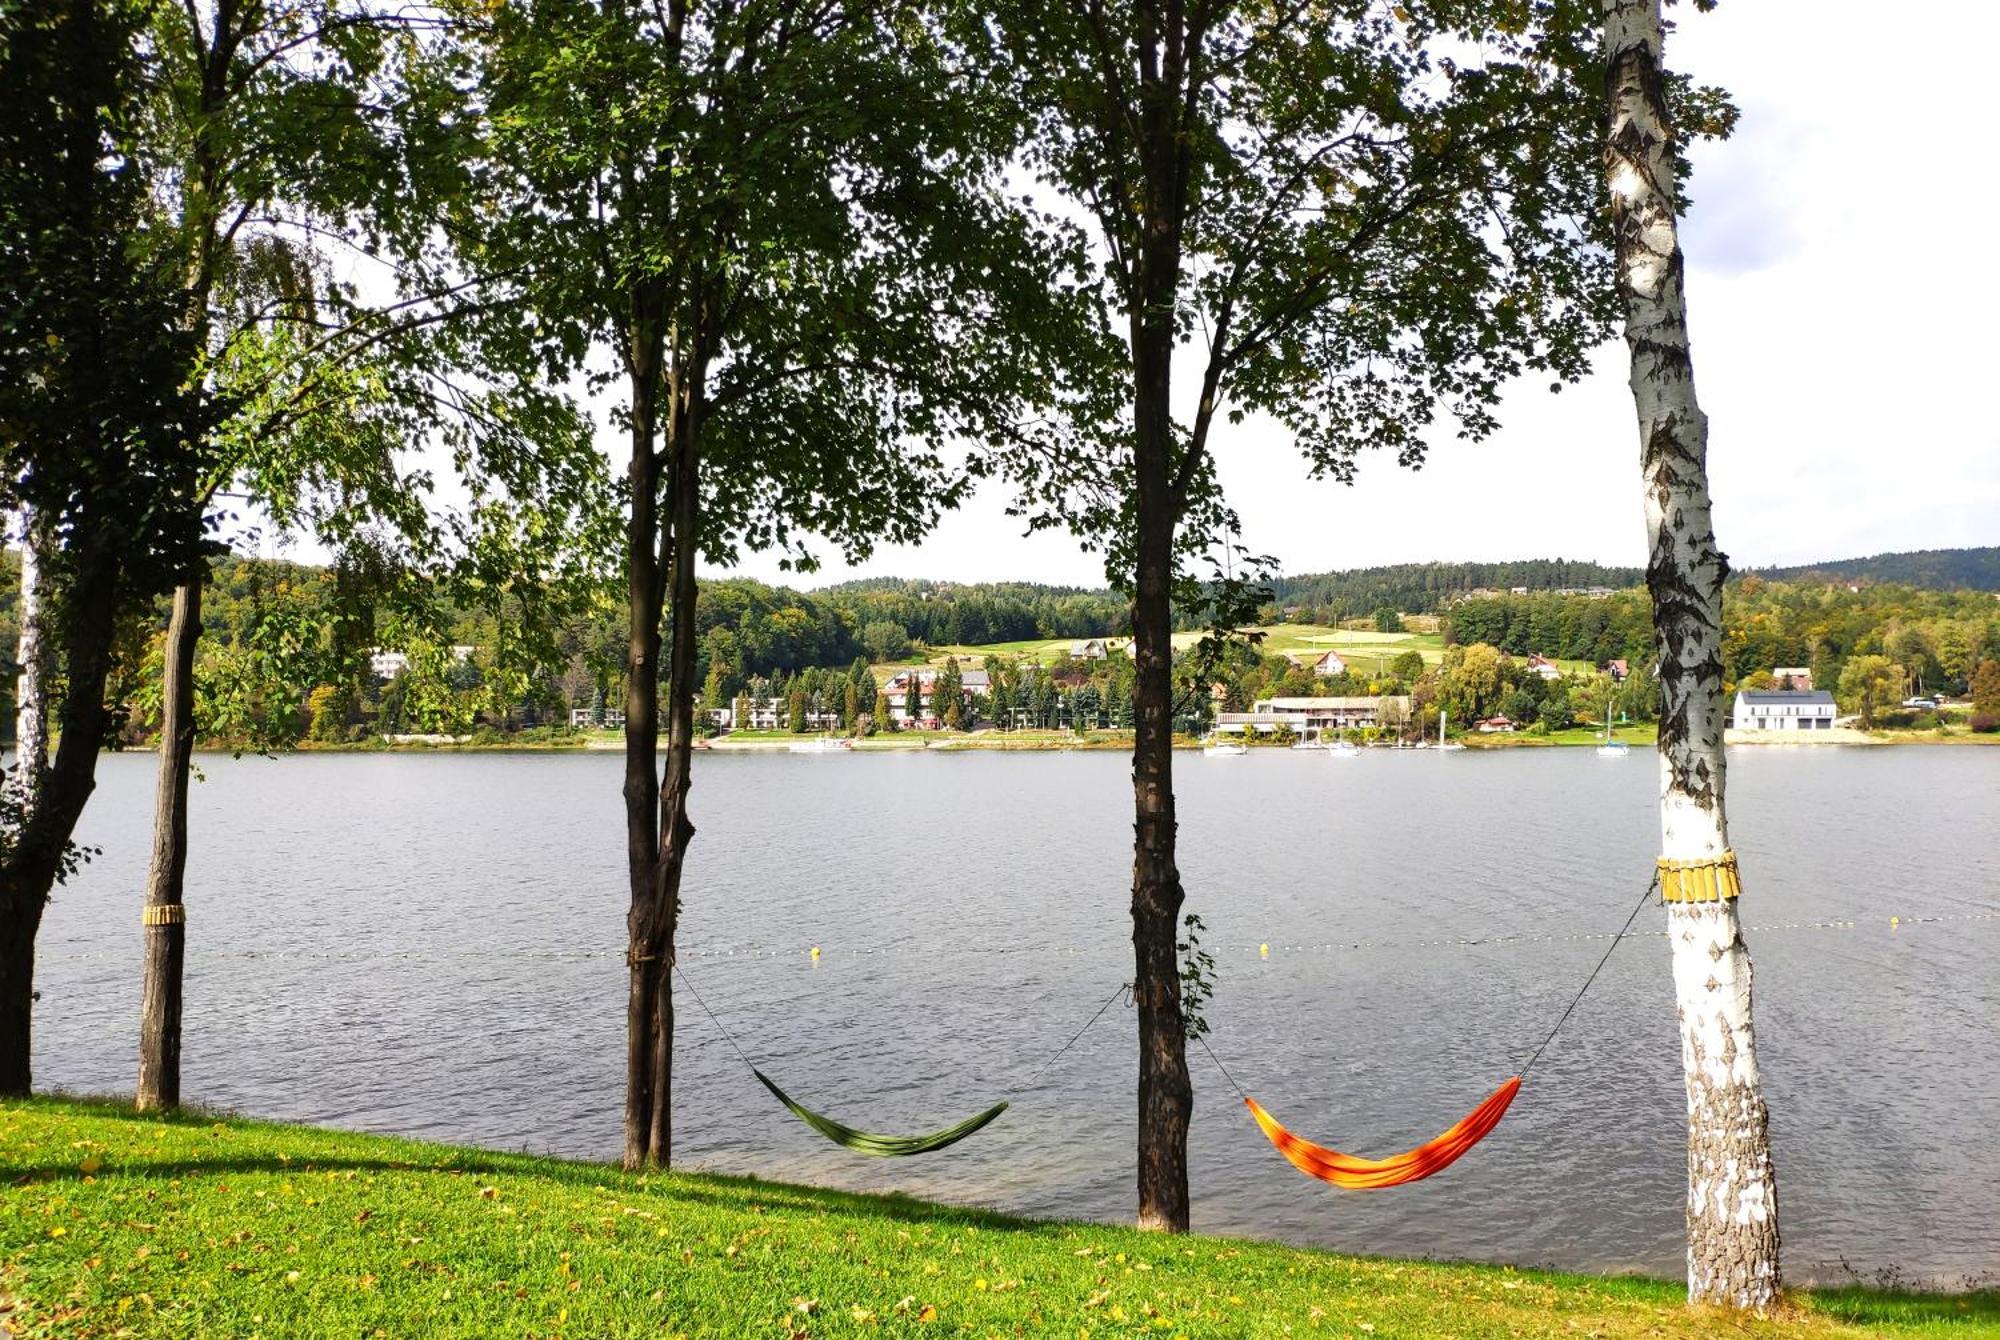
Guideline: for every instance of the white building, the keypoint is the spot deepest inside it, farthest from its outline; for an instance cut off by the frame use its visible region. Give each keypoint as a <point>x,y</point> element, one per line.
<point>385,664</point>
<point>1328,663</point>
<point>1311,716</point>
<point>614,718</point>
<point>1778,709</point>
<point>971,683</point>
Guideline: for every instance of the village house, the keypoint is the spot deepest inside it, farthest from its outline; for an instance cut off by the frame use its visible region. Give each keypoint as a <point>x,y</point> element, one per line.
<point>614,718</point>
<point>1089,649</point>
<point>1784,709</point>
<point>1545,667</point>
<point>1328,664</point>
<point>1500,725</point>
<point>1795,677</point>
<point>1618,669</point>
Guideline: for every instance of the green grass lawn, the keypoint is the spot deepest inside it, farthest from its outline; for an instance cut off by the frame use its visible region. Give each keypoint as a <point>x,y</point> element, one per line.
<point>1363,649</point>
<point>117,1224</point>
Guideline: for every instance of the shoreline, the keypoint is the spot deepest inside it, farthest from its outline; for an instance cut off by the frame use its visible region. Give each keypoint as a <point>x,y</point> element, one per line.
<point>253,1226</point>
<point>1000,742</point>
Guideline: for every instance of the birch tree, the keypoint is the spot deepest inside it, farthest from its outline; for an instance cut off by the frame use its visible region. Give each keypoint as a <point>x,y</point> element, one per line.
<point>1732,1202</point>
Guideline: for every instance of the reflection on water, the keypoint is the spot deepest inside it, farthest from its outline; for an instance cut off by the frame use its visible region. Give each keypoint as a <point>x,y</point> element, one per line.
<point>432,945</point>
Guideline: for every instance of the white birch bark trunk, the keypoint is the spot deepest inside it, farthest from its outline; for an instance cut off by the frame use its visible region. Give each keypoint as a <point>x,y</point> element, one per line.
<point>1732,1208</point>
<point>31,718</point>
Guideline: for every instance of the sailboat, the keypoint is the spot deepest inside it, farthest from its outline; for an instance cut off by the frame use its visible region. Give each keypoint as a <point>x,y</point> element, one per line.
<point>1343,749</point>
<point>1608,747</point>
<point>1444,731</point>
<point>825,744</point>
<point>1217,747</point>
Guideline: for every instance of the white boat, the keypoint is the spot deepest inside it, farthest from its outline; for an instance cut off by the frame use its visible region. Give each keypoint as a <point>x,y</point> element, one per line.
<point>1342,749</point>
<point>826,744</point>
<point>1223,748</point>
<point>1444,728</point>
<point>1608,747</point>
<point>1309,742</point>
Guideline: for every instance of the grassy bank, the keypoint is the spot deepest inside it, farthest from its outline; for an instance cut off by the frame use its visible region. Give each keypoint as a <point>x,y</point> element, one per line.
<point>117,1224</point>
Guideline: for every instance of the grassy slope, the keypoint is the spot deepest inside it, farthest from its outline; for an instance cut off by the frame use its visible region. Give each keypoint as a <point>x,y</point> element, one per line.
<point>1278,640</point>
<point>113,1223</point>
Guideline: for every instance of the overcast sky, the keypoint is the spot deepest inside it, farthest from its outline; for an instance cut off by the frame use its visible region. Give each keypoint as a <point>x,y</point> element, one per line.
<point>1841,320</point>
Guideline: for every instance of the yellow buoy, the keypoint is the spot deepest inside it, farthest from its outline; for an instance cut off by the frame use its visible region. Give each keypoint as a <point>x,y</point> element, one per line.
<point>1895,922</point>
<point>1264,951</point>
<point>815,953</point>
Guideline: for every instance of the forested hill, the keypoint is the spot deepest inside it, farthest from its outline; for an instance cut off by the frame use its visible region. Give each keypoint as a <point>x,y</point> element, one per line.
<point>1423,588</point>
<point>1930,569</point>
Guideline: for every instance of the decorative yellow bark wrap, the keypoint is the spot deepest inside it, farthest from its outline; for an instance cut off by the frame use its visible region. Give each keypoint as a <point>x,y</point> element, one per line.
<point>1706,881</point>
<point>164,914</point>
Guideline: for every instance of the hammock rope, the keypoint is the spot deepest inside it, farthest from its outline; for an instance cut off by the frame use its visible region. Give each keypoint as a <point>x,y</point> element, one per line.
<point>870,1143</point>
<point>1434,1155</point>
<point>1317,1161</point>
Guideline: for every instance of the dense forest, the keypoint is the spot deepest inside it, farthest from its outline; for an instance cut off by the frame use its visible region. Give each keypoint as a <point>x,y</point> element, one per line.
<point>1932,569</point>
<point>1424,588</point>
<point>1937,638</point>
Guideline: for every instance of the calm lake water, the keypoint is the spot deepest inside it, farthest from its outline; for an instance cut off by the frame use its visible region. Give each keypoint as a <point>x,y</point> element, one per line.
<point>431,945</point>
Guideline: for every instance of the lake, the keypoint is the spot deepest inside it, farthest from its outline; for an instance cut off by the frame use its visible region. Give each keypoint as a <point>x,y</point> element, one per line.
<point>432,945</point>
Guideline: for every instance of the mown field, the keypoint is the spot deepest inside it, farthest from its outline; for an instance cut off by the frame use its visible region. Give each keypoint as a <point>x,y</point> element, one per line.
<point>115,1224</point>
<point>1364,649</point>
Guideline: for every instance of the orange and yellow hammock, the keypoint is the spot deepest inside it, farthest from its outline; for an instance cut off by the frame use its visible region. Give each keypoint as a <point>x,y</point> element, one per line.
<point>1412,1165</point>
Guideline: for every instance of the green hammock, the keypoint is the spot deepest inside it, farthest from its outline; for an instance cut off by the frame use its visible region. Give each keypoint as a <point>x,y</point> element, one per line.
<point>879,1146</point>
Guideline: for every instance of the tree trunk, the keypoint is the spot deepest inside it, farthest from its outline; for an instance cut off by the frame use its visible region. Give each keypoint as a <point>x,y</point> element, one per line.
<point>679,546</point>
<point>164,918</point>
<point>1732,1206</point>
<point>1166,1093</point>
<point>642,707</point>
<point>31,719</point>
<point>34,859</point>
<point>18,924</point>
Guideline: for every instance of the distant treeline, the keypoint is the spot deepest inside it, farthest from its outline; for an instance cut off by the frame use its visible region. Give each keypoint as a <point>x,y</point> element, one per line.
<point>1932,569</point>
<point>1425,588</point>
<point>1937,638</point>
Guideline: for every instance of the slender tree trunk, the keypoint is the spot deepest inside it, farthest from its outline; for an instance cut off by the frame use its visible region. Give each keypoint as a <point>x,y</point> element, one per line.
<point>18,925</point>
<point>34,858</point>
<point>642,706</point>
<point>679,545</point>
<point>31,719</point>
<point>165,918</point>
<point>1732,1205</point>
<point>1166,1093</point>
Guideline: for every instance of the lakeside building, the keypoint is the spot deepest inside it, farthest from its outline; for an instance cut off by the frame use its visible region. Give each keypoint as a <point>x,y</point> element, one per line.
<point>386,664</point>
<point>1500,725</point>
<point>1795,677</point>
<point>1782,709</point>
<point>972,683</point>
<point>1313,716</point>
<point>614,718</point>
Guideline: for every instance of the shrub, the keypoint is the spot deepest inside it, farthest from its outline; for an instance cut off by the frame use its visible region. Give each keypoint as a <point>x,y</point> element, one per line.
<point>1894,720</point>
<point>1985,723</point>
